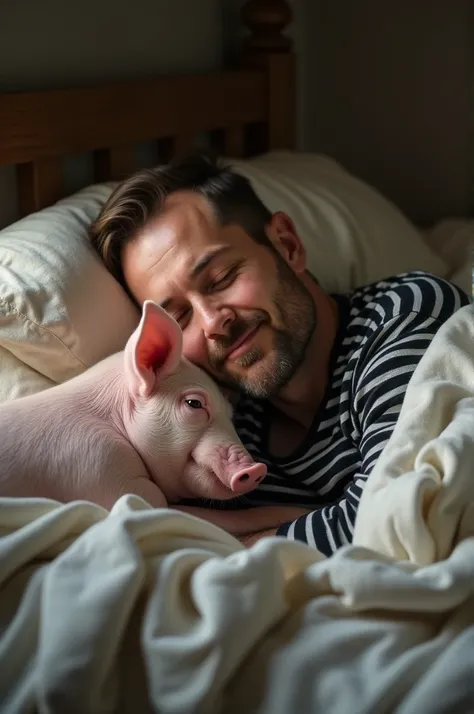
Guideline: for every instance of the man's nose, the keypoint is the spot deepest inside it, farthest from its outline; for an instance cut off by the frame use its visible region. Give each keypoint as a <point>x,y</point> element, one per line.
<point>215,322</point>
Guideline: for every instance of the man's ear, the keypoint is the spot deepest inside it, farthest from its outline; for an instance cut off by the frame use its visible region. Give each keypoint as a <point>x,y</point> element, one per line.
<point>281,231</point>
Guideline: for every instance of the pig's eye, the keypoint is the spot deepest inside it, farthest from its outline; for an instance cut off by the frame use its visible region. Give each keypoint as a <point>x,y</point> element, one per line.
<point>194,403</point>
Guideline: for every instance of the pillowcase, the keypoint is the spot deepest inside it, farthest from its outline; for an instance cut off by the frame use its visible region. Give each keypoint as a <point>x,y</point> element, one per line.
<point>453,240</point>
<point>61,311</point>
<point>17,379</point>
<point>352,234</point>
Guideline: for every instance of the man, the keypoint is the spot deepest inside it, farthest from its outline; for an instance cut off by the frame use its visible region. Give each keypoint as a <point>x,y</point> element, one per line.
<point>321,377</point>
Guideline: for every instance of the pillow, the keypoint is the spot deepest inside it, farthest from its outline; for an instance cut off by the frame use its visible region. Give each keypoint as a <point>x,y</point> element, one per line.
<point>61,311</point>
<point>17,379</point>
<point>453,240</point>
<point>352,234</point>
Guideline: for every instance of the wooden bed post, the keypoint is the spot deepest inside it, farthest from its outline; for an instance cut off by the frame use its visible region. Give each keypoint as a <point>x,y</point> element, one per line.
<point>268,47</point>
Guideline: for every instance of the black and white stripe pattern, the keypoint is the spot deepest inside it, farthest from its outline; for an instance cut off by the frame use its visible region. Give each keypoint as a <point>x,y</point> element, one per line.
<point>385,328</point>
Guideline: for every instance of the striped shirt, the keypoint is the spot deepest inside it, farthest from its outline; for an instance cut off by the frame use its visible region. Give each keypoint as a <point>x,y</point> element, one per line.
<point>384,329</point>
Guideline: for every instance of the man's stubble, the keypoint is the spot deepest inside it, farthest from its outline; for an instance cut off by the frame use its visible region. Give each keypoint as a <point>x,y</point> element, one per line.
<point>264,375</point>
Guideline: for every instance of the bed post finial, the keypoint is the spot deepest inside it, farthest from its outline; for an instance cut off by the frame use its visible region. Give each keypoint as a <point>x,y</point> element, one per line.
<point>267,20</point>
<point>267,47</point>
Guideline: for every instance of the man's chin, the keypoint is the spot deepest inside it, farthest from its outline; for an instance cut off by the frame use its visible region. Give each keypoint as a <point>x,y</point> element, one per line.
<point>257,380</point>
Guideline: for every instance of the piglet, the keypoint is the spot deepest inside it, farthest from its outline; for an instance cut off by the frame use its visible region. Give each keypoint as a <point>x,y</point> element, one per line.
<point>144,421</point>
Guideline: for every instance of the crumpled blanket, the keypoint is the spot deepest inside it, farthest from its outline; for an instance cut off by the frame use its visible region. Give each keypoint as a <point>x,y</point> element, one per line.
<point>142,610</point>
<point>419,500</point>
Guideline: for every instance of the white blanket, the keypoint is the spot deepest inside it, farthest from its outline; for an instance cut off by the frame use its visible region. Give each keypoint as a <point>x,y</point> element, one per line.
<point>155,611</point>
<point>419,499</point>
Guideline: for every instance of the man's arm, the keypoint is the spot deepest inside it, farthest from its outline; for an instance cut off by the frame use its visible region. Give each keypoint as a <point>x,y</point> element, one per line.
<point>247,521</point>
<point>379,388</point>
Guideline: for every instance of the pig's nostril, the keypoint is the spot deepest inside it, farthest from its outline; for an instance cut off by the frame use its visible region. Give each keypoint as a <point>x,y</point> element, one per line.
<point>246,480</point>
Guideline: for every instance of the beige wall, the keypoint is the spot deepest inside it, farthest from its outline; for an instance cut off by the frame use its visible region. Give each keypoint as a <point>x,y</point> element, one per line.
<point>65,43</point>
<point>389,88</point>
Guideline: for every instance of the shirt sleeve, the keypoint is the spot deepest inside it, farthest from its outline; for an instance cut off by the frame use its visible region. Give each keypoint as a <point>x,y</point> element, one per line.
<point>379,385</point>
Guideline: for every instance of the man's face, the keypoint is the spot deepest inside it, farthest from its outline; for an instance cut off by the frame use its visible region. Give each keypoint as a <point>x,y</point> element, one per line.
<point>246,316</point>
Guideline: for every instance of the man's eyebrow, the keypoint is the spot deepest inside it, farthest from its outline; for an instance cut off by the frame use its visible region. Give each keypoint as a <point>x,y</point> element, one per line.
<point>204,261</point>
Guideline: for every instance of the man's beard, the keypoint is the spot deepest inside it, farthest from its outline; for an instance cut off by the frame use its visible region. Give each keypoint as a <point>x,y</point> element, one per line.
<point>297,322</point>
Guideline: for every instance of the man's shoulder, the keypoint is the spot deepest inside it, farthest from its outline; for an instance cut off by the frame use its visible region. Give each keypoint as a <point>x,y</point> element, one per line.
<point>415,292</point>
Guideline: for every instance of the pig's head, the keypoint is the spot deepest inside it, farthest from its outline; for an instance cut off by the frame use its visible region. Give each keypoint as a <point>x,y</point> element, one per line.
<point>178,420</point>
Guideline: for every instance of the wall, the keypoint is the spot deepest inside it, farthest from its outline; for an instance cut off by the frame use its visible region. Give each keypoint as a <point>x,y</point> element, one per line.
<point>67,43</point>
<point>389,89</point>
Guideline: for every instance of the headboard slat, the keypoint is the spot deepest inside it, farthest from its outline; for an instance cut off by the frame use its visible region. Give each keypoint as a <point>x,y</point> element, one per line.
<point>39,184</point>
<point>113,164</point>
<point>234,141</point>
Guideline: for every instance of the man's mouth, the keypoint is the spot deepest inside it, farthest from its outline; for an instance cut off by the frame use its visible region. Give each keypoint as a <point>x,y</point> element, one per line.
<point>240,345</point>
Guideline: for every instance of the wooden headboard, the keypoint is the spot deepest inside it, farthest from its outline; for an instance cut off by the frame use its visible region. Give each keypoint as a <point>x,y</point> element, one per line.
<point>244,110</point>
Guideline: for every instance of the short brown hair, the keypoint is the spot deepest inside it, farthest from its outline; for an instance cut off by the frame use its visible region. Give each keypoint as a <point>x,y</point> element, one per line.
<point>140,197</point>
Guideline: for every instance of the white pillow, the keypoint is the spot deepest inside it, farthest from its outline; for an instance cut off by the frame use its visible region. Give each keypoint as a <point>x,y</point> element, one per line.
<point>17,379</point>
<point>453,240</point>
<point>352,234</point>
<point>61,311</point>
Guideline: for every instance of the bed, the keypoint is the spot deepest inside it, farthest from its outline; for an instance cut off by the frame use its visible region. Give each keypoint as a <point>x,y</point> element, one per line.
<point>141,610</point>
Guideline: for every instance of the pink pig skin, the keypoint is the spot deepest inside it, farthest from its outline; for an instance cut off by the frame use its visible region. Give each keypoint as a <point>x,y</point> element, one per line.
<point>144,421</point>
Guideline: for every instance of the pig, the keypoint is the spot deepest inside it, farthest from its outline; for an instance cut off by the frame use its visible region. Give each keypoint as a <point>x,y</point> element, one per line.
<point>144,421</point>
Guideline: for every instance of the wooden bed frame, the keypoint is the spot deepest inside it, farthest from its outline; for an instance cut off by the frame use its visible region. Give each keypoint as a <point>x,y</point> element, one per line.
<point>244,110</point>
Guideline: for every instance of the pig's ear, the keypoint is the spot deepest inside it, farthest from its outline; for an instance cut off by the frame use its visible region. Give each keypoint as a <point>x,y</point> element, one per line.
<point>153,351</point>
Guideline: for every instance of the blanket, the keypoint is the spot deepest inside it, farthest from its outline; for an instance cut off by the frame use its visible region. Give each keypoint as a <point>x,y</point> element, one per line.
<point>419,500</point>
<point>142,610</point>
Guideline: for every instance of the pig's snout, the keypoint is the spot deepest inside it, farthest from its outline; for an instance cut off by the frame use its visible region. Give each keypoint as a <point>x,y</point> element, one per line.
<point>247,479</point>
